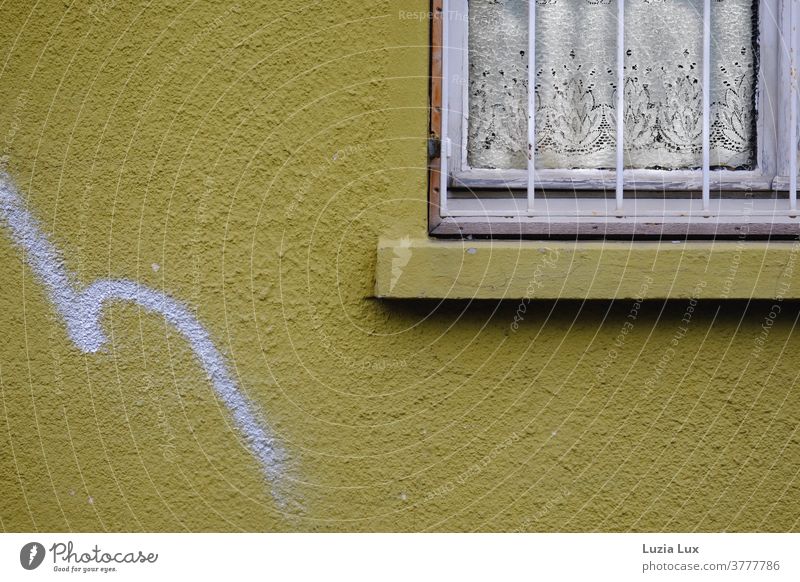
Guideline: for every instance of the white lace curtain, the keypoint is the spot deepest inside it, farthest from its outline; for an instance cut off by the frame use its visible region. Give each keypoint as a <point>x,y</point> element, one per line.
<point>576,83</point>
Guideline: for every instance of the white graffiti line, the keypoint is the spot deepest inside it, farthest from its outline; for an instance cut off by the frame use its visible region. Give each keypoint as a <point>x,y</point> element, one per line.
<point>81,311</point>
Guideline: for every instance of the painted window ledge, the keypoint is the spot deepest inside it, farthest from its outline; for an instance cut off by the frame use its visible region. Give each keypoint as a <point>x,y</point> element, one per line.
<point>464,269</point>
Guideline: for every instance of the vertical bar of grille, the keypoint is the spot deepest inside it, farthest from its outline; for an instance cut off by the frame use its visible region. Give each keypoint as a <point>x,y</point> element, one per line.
<point>531,103</point>
<point>706,103</point>
<point>794,97</point>
<point>620,102</point>
<point>443,149</point>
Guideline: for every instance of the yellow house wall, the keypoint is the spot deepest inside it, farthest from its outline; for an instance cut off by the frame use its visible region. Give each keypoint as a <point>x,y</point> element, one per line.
<point>246,159</point>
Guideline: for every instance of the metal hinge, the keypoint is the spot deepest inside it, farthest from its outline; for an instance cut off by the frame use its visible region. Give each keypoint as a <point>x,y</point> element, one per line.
<point>435,148</point>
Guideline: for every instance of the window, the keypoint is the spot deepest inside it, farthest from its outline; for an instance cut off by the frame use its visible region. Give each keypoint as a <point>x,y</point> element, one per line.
<point>709,128</point>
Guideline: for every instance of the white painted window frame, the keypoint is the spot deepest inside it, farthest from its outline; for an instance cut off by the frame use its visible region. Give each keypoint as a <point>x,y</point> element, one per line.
<point>778,29</point>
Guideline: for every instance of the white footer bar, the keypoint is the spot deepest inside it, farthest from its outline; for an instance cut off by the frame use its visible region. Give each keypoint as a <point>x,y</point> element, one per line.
<point>379,557</point>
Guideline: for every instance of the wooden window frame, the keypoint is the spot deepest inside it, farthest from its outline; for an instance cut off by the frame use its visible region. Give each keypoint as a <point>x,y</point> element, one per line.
<point>504,216</point>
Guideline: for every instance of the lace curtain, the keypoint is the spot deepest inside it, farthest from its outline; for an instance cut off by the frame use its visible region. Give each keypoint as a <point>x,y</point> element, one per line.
<point>576,83</point>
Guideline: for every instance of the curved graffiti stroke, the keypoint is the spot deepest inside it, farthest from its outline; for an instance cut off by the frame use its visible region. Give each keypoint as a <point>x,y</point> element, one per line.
<point>82,310</point>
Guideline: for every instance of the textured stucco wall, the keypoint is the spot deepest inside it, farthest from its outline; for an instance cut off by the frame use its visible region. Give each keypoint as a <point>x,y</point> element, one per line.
<point>246,160</point>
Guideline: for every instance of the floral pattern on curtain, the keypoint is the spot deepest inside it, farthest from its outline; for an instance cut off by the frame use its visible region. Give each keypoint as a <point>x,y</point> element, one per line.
<point>576,83</point>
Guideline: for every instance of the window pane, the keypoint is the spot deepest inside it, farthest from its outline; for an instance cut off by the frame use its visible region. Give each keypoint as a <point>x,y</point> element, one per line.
<point>498,84</point>
<point>576,83</point>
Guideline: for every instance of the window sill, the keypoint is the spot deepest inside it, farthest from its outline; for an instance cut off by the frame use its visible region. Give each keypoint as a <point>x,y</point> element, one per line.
<point>466,269</point>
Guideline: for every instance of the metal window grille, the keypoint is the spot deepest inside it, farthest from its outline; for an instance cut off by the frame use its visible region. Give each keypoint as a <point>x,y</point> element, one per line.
<point>743,201</point>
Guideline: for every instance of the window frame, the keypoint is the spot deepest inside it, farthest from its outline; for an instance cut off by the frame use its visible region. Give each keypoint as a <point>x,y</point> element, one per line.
<point>484,216</point>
